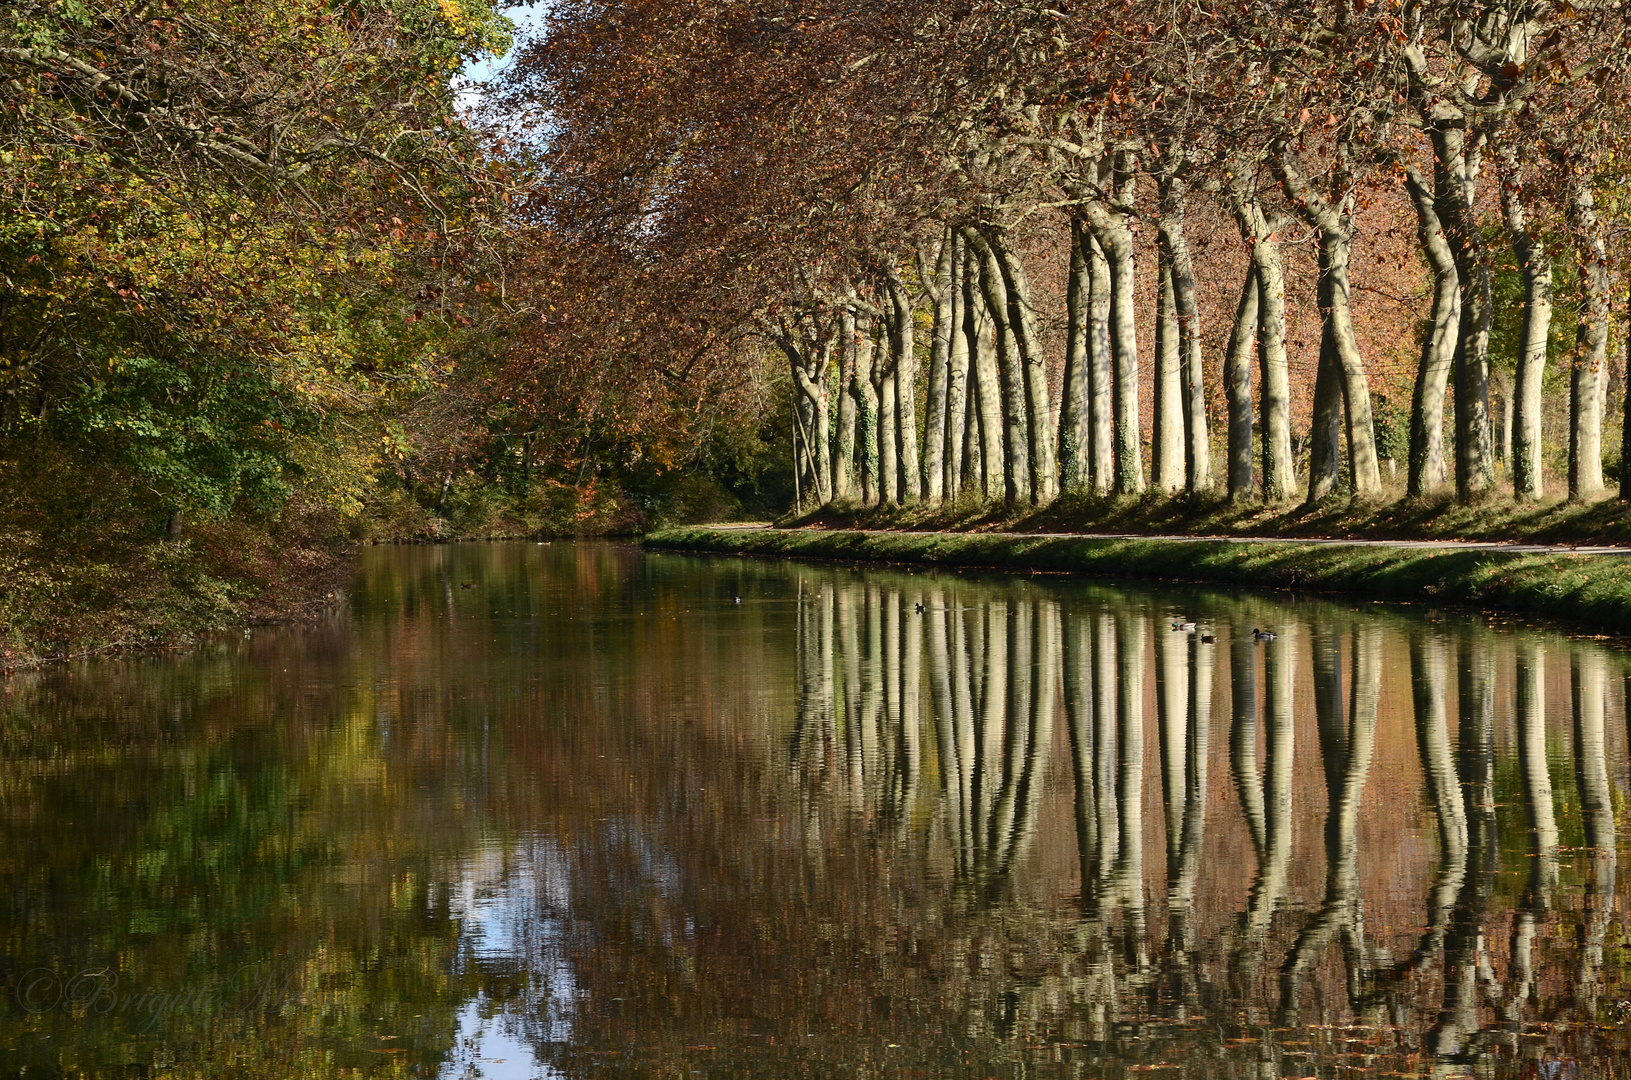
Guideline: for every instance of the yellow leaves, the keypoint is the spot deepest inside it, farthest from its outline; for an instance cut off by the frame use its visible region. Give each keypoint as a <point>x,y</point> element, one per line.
<point>451,12</point>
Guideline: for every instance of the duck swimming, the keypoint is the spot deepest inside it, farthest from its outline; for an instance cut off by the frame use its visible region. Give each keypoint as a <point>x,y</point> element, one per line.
<point>1184,627</point>
<point>1262,635</point>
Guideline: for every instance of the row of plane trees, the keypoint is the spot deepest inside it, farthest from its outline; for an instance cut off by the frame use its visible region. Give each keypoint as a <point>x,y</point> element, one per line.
<point>949,699</point>
<point>1501,123</point>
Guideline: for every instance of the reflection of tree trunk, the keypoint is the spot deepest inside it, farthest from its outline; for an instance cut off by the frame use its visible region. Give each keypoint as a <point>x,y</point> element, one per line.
<point>1128,876</point>
<point>1106,712</point>
<point>911,674</point>
<point>1352,744</point>
<point>1243,738</point>
<point>1184,848</point>
<point>1039,739</point>
<point>1078,672</point>
<point>983,440</point>
<point>1279,663</point>
<point>1597,814</point>
<point>994,721</point>
<point>1172,727</point>
<point>1427,677</point>
<point>851,649</point>
<point>1537,801</point>
<point>945,713</point>
<point>1458,1019</point>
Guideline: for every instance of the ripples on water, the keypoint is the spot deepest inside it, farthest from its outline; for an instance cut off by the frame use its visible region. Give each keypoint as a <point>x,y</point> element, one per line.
<point>574,810</point>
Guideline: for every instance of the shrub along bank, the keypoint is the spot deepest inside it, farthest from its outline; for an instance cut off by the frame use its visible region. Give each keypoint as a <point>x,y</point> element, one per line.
<point>1586,589</point>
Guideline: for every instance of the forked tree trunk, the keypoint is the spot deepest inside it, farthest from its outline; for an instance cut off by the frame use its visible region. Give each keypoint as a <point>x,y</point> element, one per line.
<point>1110,225</point>
<point>1590,367</point>
<point>1033,359</point>
<point>1011,369</point>
<point>1237,383</point>
<point>1535,263</point>
<point>1167,440</point>
<point>1100,361</point>
<point>1075,435</point>
<point>1261,228</point>
<point>1426,470</point>
<point>936,413</point>
<point>1197,439</point>
<point>1339,347</point>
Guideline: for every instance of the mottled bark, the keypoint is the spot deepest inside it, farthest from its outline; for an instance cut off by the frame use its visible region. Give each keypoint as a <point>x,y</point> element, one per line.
<point>1100,382</point>
<point>1167,438</point>
<point>957,375</point>
<point>903,372</point>
<point>985,391</point>
<point>1535,263</point>
<point>1110,221</point>
<point>1033,360</point>
<point>1174,240</point>
<point>1261,228</point>
<point>1075,435</point>
<point>843,476</point>
<point>1590,357</point>
<point>1339,342</point>
<point>1010,368</point>
<point>936,410</point>
<point>1425,470</point>
<point>1325,427</point>
<point>866,416</point>
<point>1237,383</point>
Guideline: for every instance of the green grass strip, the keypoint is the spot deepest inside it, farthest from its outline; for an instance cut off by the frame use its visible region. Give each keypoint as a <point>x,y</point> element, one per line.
<point>1592,590</point>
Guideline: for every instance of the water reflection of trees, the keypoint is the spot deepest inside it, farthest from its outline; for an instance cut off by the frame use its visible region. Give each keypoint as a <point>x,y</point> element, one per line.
<point>1001,662</point>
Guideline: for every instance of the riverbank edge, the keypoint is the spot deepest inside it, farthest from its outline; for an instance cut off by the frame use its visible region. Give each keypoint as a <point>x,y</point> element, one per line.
<point>1588,591</point>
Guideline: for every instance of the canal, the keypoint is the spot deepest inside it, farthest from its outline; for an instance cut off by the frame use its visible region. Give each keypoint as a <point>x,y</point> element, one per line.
<point>575,809</point>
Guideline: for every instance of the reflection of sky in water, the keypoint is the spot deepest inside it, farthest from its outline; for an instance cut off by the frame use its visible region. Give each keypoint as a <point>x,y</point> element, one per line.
<point>510,903</point>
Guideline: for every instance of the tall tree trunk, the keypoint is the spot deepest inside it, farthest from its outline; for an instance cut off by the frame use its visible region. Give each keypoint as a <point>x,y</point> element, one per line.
<point>1038,401</point>
<point>1474,457</point>
<point>1535,263</point>
<point>1625,431</point>
<point>1011,368</point>
<point>866,416</point>
<point>1167,440</point>
<point>935,407</point>
<point>985,391</point>
<point>1075,435</point>
<point>1237,381</point>
<point>884,390</point>
<point>843,474</point>
<point>1174,239</point>
<point>1426,467</point>
<point>1100,383</point>
<point>957,374</point>
<point>903,365</point>
<point>1590,357</point>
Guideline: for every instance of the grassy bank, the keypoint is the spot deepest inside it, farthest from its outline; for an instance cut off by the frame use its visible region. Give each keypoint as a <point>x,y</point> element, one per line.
<point>1587,590</point>
<point>1438,517</point>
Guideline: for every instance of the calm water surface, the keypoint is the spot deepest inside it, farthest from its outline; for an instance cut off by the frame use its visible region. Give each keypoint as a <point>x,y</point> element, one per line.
<point>574,810</point>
